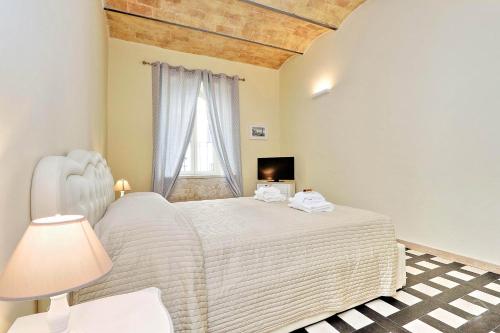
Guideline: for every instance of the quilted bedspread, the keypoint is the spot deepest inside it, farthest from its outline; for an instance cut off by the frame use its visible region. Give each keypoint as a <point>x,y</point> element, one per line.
<point>268,265</point>
<point>241,265</point>
<point>152,245</point>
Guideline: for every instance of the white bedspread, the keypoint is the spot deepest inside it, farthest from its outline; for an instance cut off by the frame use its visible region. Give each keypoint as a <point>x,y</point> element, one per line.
<point>268,266</point>
<point>258,266</point>
<point>152,245</point>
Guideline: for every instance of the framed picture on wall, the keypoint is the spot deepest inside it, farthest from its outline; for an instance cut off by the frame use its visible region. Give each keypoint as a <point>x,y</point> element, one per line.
<point>258,132</point>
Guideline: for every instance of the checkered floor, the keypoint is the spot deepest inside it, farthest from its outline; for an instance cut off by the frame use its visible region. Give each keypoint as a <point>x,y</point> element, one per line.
<point>440,296</point>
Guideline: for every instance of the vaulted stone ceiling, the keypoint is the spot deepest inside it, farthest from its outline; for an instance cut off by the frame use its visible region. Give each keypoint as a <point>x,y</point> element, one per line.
<point>260,32</point>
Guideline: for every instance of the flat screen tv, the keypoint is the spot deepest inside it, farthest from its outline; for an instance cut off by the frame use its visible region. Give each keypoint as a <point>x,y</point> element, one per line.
<point>275,168</point>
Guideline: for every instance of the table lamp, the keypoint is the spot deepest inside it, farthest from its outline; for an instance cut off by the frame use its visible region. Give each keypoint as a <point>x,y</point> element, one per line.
<point>122,185</point>
<point>56,255</point>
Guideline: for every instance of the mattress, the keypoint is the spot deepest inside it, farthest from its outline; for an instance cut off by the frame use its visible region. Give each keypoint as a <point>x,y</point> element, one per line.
<point>240,265</point>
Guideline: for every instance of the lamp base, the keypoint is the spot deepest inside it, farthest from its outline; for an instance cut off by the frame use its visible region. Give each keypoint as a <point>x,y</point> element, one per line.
<point>58,314</point>
<point>122,193</point>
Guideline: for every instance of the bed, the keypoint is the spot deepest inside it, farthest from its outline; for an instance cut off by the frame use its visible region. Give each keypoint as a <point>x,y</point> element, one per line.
<point>230,265</point>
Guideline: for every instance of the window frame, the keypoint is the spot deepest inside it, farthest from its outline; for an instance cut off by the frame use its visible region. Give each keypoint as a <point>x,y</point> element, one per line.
<point>193,143</point>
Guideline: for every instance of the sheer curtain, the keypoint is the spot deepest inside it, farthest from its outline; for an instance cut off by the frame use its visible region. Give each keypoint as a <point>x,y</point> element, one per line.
<point>224,120</point>
<point>175,93</point>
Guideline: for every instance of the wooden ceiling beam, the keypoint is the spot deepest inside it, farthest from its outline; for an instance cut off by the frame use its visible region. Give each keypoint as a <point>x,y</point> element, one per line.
<point>200,30</point>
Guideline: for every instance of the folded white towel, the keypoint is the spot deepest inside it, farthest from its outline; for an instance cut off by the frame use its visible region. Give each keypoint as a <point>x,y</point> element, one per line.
<point>267,189</point>
<point>269,194</point>
<point>278,198</point>
<point>311,202</point>
<point>308,196</point>
<point>325,207</point>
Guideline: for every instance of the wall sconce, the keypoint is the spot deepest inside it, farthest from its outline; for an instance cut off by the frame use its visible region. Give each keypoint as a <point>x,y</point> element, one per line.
<point>321,92</point>
<point>322,88</point>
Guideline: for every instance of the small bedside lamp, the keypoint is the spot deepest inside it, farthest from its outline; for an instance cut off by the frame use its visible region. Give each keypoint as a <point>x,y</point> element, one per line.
<point>56,255</point>
<point>122,185</point>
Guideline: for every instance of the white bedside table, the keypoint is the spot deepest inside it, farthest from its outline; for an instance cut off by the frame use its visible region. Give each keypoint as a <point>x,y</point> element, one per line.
<point>137,312</point>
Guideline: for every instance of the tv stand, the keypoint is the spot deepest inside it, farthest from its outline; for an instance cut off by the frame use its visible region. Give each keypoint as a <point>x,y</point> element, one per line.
<point>286,187</point>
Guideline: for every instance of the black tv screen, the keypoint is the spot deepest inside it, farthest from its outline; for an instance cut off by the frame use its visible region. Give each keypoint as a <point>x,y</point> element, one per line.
<point>275,168</point>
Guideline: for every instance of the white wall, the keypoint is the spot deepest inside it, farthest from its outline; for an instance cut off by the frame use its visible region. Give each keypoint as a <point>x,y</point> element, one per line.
<point>53,59</point>
<point>130,115</point>
<point>412,126</point>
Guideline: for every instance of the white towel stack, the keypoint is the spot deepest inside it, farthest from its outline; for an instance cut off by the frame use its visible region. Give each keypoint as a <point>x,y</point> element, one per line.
<point>311,202</point>
<point>269,194</point>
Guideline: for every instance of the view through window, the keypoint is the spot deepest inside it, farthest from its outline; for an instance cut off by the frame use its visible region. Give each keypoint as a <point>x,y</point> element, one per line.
<point>201,157</point>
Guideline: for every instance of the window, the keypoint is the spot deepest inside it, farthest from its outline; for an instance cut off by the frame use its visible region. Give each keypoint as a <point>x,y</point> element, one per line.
<point>201,157</point>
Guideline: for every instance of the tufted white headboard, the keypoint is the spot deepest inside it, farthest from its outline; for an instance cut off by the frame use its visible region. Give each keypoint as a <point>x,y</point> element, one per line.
<point>79,183</point>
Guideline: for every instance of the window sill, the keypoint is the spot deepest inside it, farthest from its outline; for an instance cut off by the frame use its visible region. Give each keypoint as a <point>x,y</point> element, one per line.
<point>200,176</point>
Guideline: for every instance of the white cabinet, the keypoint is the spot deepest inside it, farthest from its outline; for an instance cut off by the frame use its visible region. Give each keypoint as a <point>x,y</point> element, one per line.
<point>287,188</point>
<point>140,311</point>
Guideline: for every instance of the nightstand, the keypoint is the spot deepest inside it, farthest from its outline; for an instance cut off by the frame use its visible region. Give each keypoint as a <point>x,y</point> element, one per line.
<point>287,188</point>
<point>137,312</point>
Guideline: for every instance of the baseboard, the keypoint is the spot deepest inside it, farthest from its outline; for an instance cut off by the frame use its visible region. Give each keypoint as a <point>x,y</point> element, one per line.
<point>451,256</point>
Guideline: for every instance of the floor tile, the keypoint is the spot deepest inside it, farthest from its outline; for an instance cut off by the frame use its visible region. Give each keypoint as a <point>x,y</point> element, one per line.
<point>447,317</point>
<point>340,325</point>
<point>418,326</point>
<point>442,260</point>
<point>414,312</point>
<point>355,319</point>
<point>321,327</point>
<point>440,271</point>
<point>385,322</point>
<point>454,293</point>
<point>485,323</point>
<point>461,276</point>
<point>444,282</point>
<point>485,297</point>
<point>440,296</point>
<point>299,330</point>
<point>394,302</point>
<point>373,328</point>
<point>425,289</point>
<point>412,270</point>
<point>473,270</point>
<point>385,309</point>
<point>438,324</point>
<point>406,298</point>
<point>414,279</point>
<point>468,307</point>
<point>493,286</point>
<point>427,264</point>
<point>483,304</point>
<point>482,280</point>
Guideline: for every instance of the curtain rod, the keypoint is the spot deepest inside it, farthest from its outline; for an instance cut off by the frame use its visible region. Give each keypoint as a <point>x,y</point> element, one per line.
<point>144,62</point>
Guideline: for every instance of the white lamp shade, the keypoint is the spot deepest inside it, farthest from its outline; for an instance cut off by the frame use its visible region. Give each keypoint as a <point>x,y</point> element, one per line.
<point>122,185</point>
<point>55,255</point>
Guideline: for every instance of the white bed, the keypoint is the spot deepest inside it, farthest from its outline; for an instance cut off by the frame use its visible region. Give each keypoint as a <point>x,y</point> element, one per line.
<point>232,265</point>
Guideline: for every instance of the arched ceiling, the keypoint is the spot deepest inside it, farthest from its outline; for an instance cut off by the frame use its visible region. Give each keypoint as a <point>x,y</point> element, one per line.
<point>259,32</point>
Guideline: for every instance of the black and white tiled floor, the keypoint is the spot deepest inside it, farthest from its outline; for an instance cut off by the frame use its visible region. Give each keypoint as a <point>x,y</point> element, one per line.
<point>440,296</point>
